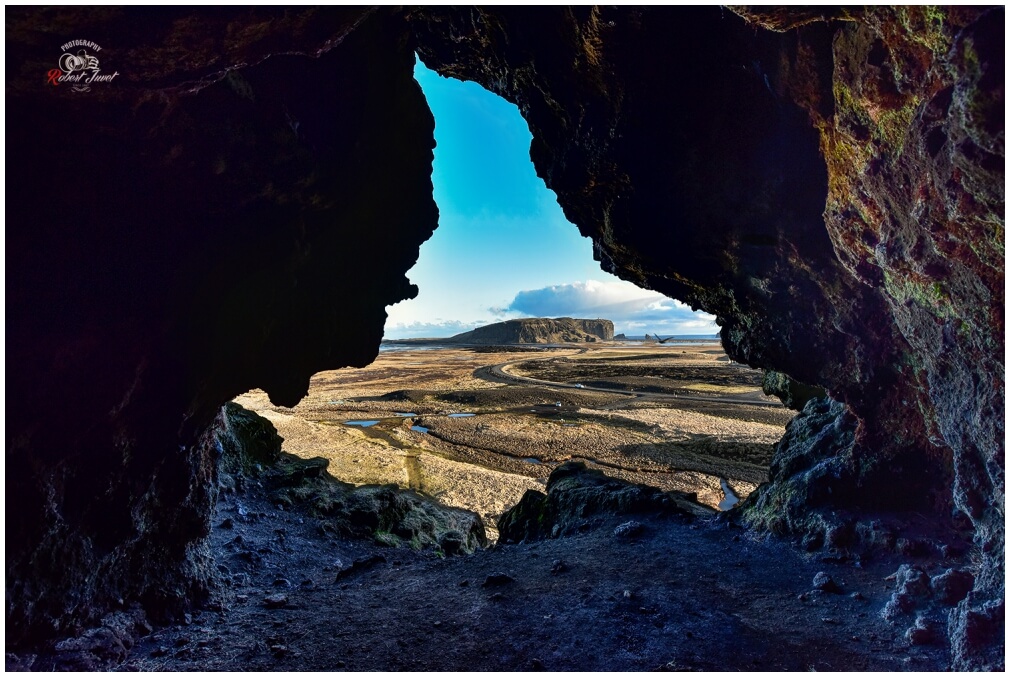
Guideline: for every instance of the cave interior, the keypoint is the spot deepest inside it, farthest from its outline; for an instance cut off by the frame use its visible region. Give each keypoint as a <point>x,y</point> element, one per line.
<point>236,208</point>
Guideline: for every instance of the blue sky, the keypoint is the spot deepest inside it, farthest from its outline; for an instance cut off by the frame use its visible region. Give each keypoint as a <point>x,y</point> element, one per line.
<point>503,248</point>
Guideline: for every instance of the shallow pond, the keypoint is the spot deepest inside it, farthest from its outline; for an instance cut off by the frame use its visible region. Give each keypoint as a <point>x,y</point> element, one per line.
<point>730,498</point>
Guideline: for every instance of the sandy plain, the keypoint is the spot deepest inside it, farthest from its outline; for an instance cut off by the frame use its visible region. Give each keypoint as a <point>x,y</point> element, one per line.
<point>475,427</point>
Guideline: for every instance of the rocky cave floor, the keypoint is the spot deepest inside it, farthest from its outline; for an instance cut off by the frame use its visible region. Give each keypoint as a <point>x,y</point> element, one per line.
<point>677,592</point>
<point>683,594</point>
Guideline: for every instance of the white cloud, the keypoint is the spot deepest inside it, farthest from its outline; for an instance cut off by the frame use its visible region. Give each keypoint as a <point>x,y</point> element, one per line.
<point>438,329</point>
<point>633,310</point>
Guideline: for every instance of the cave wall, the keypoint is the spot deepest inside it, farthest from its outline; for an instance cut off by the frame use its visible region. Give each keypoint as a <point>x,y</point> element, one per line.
<point>828,183</point>
<point>211,221</point>
<point>915,155</point>
<point>675,140</point>
<point>236,210</point>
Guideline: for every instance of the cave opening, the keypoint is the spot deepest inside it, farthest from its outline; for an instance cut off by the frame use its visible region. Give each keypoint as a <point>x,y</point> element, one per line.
<point>477,419</point>
<point>503,248</point>
<point>828,182</point>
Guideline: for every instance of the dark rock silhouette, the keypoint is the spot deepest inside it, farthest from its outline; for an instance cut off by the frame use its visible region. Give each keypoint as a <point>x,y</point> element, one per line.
<point>199,235</point>
<point>239,205</point>
<point>538,330</point>
<point>793,394</point>
<point>576,494</point>
<point>847,171</point>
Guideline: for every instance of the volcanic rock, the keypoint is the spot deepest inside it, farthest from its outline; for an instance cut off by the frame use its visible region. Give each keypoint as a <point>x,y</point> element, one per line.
<point>828,182</point>
<point>823,581</point>
<point>497,580</point>
<point>628,529</point>
<point>277,601</point>
<point>384,513</point>
<point>225,204</point>
<point>793,394</point>
<point>538,330</point>
<point>574,493</point>
<point>923,632</point>
<point>951,586</point>
<point>876,145</point>
<point>360,564</point>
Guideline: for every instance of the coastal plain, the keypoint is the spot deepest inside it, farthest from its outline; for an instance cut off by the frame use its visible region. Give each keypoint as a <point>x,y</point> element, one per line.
<point>476,427</point>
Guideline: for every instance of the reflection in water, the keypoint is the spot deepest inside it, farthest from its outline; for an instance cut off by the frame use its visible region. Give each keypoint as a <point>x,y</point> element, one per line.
<point>730,498</point>
<point>419,428</point>
<point>464,415</point>
<point>363,424</point>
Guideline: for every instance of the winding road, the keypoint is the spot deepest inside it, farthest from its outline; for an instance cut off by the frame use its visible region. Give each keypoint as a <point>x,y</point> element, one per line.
<point>496,373</point>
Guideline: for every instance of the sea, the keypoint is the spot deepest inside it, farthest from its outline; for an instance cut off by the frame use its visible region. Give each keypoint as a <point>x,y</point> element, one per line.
<point>396,345</point>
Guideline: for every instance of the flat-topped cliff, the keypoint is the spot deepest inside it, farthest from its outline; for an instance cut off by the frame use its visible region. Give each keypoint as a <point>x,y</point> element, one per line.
<point>539,330</point>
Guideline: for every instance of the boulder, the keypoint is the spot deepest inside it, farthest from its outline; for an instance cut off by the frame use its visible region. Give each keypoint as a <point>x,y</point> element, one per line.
<point>576,493</point>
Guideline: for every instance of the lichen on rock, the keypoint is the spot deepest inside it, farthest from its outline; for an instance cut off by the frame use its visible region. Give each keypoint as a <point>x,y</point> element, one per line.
<point>852,237</point>
<point>828,183</point>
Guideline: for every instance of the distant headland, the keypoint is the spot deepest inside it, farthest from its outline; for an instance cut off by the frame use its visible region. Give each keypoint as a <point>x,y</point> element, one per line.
<point>538,330</point>
<point>542,330</point>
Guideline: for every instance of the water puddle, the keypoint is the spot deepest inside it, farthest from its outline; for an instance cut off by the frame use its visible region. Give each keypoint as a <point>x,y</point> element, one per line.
<point>418,428</point>
<point>730,498</point>
<point>362,424</point>
<point>405,414</point>
<point>463,415</point>
<point>534,461</point>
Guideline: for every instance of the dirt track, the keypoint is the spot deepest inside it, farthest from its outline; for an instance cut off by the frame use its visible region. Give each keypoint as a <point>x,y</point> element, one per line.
<point>642,419</point>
